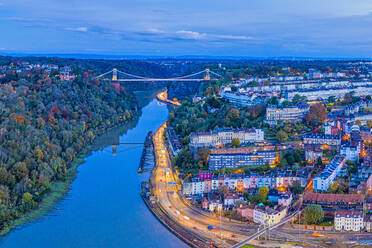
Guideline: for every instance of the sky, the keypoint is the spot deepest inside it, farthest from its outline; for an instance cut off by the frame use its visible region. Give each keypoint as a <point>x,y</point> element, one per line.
<point>252,28</point>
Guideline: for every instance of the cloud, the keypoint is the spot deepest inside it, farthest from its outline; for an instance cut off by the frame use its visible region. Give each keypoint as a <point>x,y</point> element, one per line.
<point>206,36</point>
<point>191,35</point>
<point>78,29</point>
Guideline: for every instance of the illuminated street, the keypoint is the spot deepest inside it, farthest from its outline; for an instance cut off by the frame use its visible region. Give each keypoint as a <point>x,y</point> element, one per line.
<point>166,188</point>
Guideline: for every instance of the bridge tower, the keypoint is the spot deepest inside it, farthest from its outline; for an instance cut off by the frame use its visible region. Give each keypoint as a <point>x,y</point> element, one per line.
<point>114,74</point>
<point>207,76</point>
<point>115,81</point>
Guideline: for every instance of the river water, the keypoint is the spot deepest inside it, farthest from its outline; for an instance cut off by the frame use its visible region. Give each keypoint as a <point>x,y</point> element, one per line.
<point>103,207</point>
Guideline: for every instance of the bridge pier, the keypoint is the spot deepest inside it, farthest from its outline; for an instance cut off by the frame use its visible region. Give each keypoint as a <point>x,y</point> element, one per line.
<point>116,85</point>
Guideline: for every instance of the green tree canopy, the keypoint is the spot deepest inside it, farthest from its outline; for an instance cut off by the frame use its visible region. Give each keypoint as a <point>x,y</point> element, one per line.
<point>235,142</point>
<point>314,214</point>
<point>282,136</point>
<point>263,191</point>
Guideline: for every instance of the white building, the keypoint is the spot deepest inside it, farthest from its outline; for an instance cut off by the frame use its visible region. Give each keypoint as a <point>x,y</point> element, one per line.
<point>268,216</point>
<point>349,220</point>
<point>321,94</point>
<point>328,175</point>
<point>225,136</point>
<point>351,152</point>
<point>292,113</point>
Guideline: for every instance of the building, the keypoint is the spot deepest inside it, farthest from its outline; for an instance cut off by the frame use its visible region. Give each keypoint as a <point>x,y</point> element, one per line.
<point>233,159</point>
<point>369,184</point>
<point>322,140</point>
<point>285,199</point>
<point>323,94</point>
<point>332,202</point>
<point>174,143</point>
<point>240,182</point>
<point>293,113</point>
<point>246,212</point>
<point>368,223</point>
<point>312,155</point>
<point>268,216</point>
<point>230,199</point>
<point>368,204</point>
<point>205,175</point>
<point>242,99</point>
<point>351,152</point>
<point>330,172</point>
<point>225,136</point>
<point>348,220</point>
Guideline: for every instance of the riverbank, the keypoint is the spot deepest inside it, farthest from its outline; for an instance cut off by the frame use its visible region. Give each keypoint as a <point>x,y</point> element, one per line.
<point>60,188</point>
<point>56,193</point>
<point>103,207</point>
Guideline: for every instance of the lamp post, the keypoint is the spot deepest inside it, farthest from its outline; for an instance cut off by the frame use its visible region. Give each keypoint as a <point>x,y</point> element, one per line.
<point>220,223</point>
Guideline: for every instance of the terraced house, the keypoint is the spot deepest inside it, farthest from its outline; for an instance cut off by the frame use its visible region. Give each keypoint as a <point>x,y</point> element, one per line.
<point>333,202</point>
<point>234,159</point>
<point>292,113</point>
<point>225,136</point>
<point>241,182</point>
<point>349,220</point>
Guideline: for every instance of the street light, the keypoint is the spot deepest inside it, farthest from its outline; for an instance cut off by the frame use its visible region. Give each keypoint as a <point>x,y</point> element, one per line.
<point>220,209</point>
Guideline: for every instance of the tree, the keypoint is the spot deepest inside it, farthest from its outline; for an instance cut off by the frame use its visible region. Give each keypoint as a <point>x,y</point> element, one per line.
<point>281,136</point>
<point>314,214</point>
<point>283,163</point>
<point>4,193</point>
<point>223,190</point>
<point>331,99</point>
<point>290,159</point>
<point>263,191</point>
<point>296,99</point>
<point>203,154</point>
<point>347,98</point>
<point>296,188</point>
<point>317,114</point>
<point>369,124</point>
<point>273,101</point>
<point>319,162</point>
<point>5,177</point>
<point>336,188</point>
<point>20,170</point>
<point>235,142</point>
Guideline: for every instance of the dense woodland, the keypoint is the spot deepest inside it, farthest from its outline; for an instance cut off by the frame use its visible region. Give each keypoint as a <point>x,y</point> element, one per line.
<point>44,125</point>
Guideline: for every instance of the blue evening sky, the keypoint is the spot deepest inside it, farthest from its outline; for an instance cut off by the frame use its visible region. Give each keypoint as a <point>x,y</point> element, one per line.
<point>257,28</point>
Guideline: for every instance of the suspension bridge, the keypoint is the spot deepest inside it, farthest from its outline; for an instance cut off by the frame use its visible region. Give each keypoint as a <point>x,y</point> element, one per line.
<point>119,76</point>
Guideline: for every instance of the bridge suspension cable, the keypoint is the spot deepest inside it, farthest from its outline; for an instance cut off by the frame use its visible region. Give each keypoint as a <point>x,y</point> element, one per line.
<point>115,71</point>
<point>104,74</point>
<point>131,75</point>
<point>191,75</point>
<point>214,73</point>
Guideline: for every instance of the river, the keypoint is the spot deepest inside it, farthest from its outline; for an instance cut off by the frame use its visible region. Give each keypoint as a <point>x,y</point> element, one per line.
<point>103,207</point>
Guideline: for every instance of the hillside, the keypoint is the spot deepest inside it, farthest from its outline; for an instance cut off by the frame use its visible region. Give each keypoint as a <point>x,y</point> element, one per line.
<point>44,125</point>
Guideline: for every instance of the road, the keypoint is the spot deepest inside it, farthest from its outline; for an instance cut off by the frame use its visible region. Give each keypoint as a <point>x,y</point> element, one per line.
<point>259,233</point>
<point>166,188</point>
<point>163,96</point>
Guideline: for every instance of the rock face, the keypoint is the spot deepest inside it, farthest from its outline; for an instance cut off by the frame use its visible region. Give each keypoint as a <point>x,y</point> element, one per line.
<point>182,90</point>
